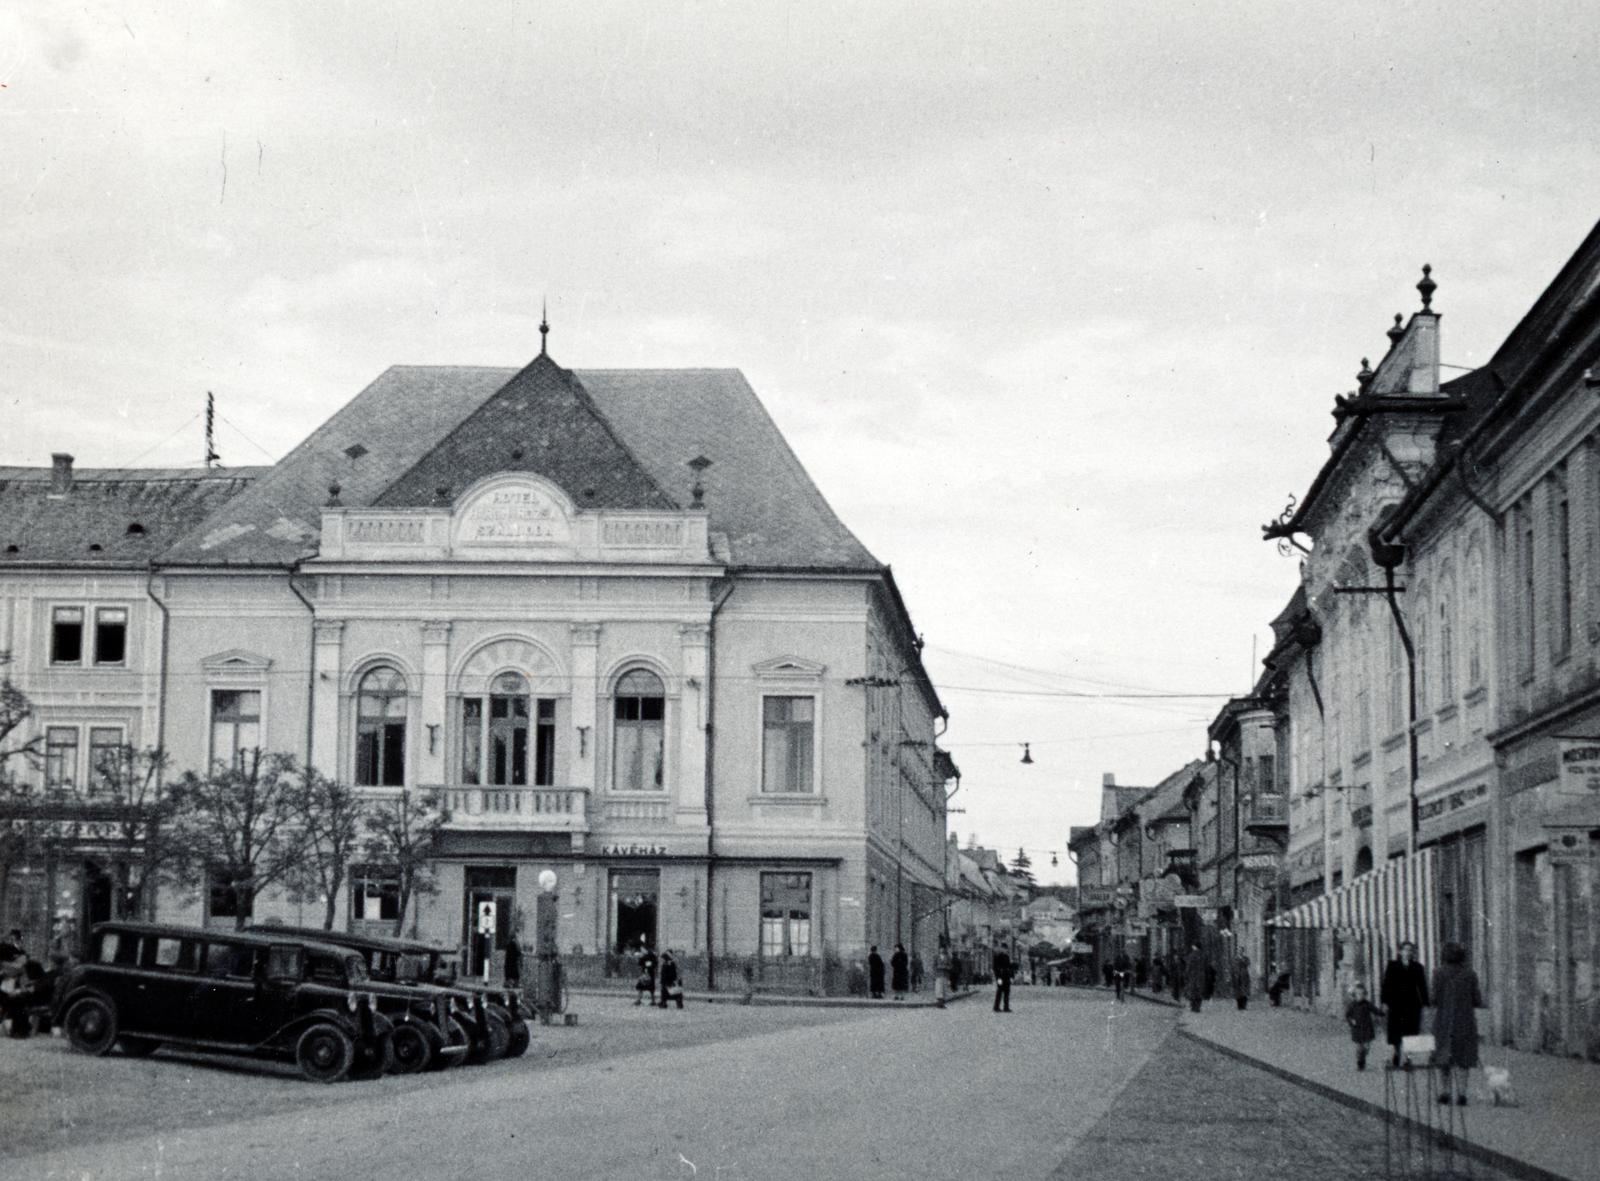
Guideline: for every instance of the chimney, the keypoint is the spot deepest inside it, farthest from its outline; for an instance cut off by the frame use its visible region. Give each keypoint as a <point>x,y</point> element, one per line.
<point>60,473</point>
<point>1108,796</point>
<point>1109,779</point>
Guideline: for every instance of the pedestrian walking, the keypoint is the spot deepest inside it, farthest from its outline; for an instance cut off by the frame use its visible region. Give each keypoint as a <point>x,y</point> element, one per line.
<point>1002,980</point>
<point>1358,1016</point>
<point>1121,967</point>
<point>645,986</point>
<point>916,971</point>
<point>1158,973</point>
<point>875,973</point>
<point>1403,996</point>
<point>1455,1026</point>
<point>1176,977</point>
<point>899,972</point>
<point>669,980</point>
<point>513,965</point>
<point>1194,977</point>
<point>1241,982</point>
<point>1279,985</point>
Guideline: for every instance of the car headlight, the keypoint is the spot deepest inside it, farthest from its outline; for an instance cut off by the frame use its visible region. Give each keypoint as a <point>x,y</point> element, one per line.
<point>352,1001</point>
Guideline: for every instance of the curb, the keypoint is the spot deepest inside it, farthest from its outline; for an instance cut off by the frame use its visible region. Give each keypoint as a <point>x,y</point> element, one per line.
<point>780,1000</point>
<point>1506,1164</point>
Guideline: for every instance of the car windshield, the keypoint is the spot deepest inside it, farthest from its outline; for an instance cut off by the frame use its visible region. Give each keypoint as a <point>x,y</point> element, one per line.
<point>355,969</point>
<point>410,966</point>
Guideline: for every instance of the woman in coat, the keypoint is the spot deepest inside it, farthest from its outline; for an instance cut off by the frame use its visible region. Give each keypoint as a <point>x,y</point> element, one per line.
<point>1404,995</point>
<point>1455,1025</point>
<point>875,972</point>
<point>899,972</point>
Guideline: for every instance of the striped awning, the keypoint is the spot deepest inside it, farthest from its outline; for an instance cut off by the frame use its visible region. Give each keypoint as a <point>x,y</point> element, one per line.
<point>1397,901</point>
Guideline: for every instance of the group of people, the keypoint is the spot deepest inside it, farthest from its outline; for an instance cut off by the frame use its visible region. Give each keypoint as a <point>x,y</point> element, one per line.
<point>899,972</point>
<point>657,977</point>
<point>1404,995</point>
<point>27,987</point>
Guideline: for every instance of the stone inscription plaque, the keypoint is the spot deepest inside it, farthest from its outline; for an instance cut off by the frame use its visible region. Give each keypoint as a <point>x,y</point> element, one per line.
<point>510,515</point>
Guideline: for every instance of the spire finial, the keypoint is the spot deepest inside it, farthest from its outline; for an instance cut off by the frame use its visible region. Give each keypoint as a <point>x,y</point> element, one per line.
<point>698,465</point>
<point>544,327</point>
<point>1365,376</point>
<point>1395,333</point>
<point>1427,286</point>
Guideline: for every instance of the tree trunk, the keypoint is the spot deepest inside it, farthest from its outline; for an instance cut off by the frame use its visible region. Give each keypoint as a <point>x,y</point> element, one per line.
<point>333,901</point>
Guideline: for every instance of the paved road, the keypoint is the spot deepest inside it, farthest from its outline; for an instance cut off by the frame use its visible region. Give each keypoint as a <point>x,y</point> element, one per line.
<point>923,1094</point>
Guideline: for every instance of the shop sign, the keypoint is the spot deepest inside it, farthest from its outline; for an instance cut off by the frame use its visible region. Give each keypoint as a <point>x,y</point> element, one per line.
<point>1580,768</point>
<point>1096,896</point>
<point>1190,901</point>
<point>633,850</point>
<point>1081,948</point>
<point>1259,861</point>
<point>1570,845</point>
<point>1208,915</point>
<point>1454,801</point>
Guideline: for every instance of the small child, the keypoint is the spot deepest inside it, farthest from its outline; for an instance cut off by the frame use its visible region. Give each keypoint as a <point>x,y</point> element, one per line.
<point>1358,1016</point>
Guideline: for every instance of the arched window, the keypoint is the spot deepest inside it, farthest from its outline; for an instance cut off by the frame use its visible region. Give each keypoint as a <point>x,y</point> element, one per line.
<point>381,729</point>
<point>637,732</point>
<point>1446,642</point>
<point>497,731</point>
<point>1474,616</point>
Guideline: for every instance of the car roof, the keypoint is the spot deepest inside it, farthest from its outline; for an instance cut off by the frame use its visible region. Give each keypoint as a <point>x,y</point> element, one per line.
<point>211,935</point>
<point>350,939</point>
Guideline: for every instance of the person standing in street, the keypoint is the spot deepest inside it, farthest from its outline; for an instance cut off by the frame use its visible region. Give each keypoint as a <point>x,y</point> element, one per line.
<point>875,973</point>
<point>1241,982</point>
<point>1403,995</point>
<point>1455,1025</point>
<point>513,968</point>
<point>1002,980</point>
<point>669,980</point>
<point>899,972</point>
<point>1121,972</point>
<point>1358,1016</point>
<point>1194,977</point>
<point>646,985</point>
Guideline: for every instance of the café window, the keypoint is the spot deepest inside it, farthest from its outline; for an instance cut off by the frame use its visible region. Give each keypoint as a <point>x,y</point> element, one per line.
<point>637,732</point>
<point>66,635</point>
<point>60,758</point>
<point>111,635</point>
<point>508,736</point>
<point>785,915</point>
<point>381,729</point>
<point>787,743</point>
<point>375,897</point>
<point>235,725</point>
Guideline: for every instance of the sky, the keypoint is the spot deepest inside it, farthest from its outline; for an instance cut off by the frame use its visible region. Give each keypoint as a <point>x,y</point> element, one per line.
<point>1051,299</point>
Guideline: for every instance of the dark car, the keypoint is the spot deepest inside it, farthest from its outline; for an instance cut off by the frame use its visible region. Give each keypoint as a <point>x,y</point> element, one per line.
<point>491,1018</point>
<point>145,985</point>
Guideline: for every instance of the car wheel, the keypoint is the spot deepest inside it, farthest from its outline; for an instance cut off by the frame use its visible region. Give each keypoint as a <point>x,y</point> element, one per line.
<point>458,1037</point>
<point>92,1025</point>
<point>410,1049</point>
<point>521,1039</point>
<point>374,1058</point>
<point>137,1047</point>
<point>499,1035</point>
<point>325,1053</point>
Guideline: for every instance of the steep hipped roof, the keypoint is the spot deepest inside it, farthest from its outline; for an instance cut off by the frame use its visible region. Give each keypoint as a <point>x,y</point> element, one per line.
<point>130,515</point>
<point>757,493</point>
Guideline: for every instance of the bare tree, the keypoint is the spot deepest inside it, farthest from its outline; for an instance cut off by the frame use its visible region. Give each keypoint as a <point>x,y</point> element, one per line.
<point>401,832</point>
<point>144,851</point>
<point>330,816</point>
<point>15,710</point>
<point>239,827</point>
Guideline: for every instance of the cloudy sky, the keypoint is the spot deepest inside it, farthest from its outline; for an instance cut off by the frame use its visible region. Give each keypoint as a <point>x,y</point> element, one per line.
<point>1052,299</point>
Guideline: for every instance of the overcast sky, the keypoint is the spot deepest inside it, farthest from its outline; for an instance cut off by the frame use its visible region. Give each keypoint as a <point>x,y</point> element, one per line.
<point>1051,299</point>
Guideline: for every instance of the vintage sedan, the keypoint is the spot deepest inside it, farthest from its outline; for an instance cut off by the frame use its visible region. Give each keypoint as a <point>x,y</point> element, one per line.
<point>145,985</point>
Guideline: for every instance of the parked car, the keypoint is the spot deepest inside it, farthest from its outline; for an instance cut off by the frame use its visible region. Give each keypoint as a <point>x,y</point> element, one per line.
<point>144,985</point>
<point>492,1018</point>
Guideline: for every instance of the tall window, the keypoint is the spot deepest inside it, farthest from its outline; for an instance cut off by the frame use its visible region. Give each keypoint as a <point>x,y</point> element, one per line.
<point>1474,607</point>
<point>1419,642</point>
<point>235,725</point>
<point>1562,640</point>
<point>786,741</point>
<point>498,731</point>
<point>61,758</point>
<point>1397,680</point>
<point>222,900</point>
<point>105,751</point>
<point>637,732</point>
<point>1446,643</point>
<point>111,635</point>
<point>66,635</point>
<point>785,915</point>
<point>374,895</point>
<point>381,729</point>
<point>1523,523</point>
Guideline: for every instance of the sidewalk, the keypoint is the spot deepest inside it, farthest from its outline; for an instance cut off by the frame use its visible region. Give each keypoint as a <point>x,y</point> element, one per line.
<point>1554,1132</point>
<point>914,1000</point>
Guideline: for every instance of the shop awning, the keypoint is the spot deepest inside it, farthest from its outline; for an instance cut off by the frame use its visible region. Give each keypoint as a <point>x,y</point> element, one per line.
<point>1397,901</point>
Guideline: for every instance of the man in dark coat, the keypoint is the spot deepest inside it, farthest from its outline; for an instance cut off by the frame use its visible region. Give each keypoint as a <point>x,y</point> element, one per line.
<point>1404,995</point>
<point>899,972</point>
<point>646,985</point>
<point>1121,967</point>
<point>1002,980</point>
<point>1455,1025</point>
<point>875,972</point>
<point>1194,977</point>
<point>669,980</point>
<point>513,970</point>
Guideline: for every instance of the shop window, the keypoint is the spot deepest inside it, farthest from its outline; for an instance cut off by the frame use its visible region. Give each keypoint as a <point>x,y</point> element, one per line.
<point>235,725</point>
<point>66,635</point>
<point>787,743</point>
<point>111,635</point>
<point>375,896</point>
<point>60,758</point>
<point>785,915</point>
<point>637,733</point>
<point>381,729</point>
<point>496,735</point>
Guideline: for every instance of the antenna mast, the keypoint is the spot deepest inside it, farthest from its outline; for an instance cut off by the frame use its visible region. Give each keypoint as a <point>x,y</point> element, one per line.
<point>211,432</point>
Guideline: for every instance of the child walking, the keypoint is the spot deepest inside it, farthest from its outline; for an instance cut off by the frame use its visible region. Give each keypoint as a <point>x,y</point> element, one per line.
<point>1358,1016</point>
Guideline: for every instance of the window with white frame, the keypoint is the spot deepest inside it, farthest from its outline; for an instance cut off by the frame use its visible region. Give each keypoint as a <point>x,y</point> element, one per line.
<point>501,730</point>
<point>381,729</point>
<point>66,635</point>
<point>105,758</point>
<point>110,636</point>
<point>1474,615</point>
<point>785,915</point>
<point>1446,642</point>
<point>223,900</point>
<point>375,895</point>
<point>60,758</point>
<point>235,725</point>
<point>638,732</point>
<point>787,743</point>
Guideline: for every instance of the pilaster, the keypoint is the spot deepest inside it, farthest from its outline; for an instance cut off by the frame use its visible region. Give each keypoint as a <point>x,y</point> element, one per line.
<point>694,642</point>
<point>430,761</point>
<point>327,647</point>
<point>585,690</point>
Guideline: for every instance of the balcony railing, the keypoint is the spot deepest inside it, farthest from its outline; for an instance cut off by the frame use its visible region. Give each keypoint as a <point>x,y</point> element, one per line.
<point>1267,811</point>
<point>524,809</point>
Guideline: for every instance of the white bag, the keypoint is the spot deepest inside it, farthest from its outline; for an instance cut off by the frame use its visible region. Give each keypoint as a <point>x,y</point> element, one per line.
<point>1417,1049</point>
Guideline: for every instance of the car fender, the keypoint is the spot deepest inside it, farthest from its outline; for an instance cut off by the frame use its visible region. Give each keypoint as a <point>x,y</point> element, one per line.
<point>74,995</point>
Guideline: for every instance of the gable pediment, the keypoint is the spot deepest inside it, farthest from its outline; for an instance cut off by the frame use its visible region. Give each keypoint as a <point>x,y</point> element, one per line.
<point>789,666</point>
<point>236,660</point>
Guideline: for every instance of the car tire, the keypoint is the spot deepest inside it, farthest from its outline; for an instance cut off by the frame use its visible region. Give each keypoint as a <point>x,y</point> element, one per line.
<point>374,1058</point>
<point>92,1025</point>
<point>521,1038</point>
<point>499,1035</point>
<point>458,1037</point>
<point>324,1053</point>
<point>410,1049</point>
<point>137,1047</point>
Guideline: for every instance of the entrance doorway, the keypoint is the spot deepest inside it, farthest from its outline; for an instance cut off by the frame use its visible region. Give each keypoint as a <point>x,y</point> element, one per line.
<point>635,899</point>
<point>490,897</point>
